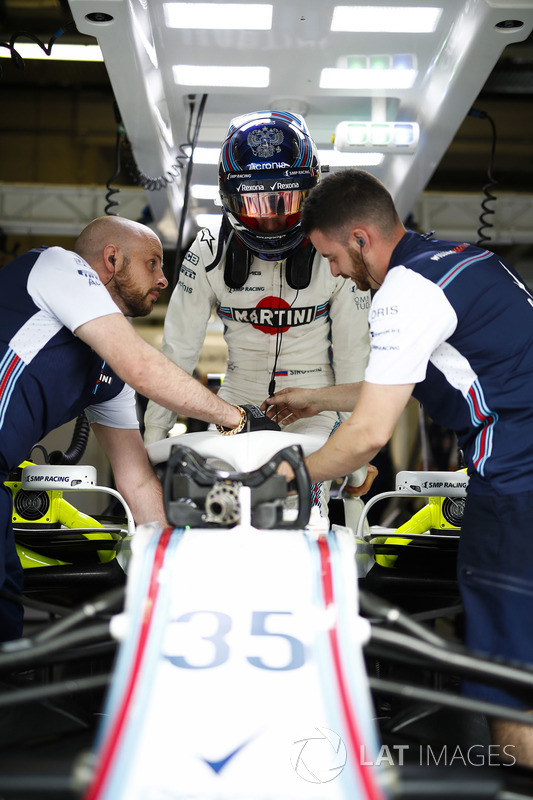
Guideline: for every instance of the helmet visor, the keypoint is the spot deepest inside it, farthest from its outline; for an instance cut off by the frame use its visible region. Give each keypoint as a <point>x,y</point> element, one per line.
<point>266,205</point>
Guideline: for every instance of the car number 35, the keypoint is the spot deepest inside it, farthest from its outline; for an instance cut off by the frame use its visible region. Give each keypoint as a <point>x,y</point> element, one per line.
<point>201,650</point>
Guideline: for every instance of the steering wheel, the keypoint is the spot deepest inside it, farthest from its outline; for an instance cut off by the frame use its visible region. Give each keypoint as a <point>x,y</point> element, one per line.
<point>200,496</point>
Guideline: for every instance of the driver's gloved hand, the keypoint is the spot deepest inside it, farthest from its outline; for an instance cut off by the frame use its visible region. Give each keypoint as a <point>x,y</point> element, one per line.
<point>257,420</point>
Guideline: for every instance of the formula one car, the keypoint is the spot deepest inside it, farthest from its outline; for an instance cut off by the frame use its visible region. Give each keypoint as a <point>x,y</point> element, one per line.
<point>255,659</point>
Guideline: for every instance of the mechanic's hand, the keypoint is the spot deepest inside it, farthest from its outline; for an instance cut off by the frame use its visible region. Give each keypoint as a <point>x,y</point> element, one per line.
<point>358,491</point>
<point>290,404</point>
<point>287,471</point>
<point>257,420</point>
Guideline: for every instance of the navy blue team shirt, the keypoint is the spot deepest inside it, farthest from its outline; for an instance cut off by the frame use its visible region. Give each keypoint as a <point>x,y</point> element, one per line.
<point>54,380</point>
<point>492,414</point>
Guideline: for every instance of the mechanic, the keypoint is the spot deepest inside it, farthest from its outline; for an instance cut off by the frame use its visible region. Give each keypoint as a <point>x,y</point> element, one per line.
<point>286,319</point>
<point>66,346</point>
<point>451,324</point>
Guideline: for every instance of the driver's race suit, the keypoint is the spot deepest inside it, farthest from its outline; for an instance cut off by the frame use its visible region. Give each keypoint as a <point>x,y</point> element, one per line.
<point>310,337</point>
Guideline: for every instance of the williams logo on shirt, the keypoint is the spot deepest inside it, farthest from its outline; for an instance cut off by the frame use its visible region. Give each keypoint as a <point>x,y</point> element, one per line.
<point>103,378</point>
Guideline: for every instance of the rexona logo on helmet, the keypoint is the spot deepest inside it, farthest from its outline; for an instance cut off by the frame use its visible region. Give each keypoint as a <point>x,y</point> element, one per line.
<point>268,165</point>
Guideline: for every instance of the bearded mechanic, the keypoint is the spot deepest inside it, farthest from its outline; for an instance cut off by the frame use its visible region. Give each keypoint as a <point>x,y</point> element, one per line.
<point>66,346</point>
<point>286,319</point>
<point>451,324</point>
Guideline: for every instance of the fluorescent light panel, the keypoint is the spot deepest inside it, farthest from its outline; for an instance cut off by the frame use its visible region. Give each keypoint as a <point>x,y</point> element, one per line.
<point>331,78</point>
<point>206,155</point>
<point>208,220</point>
<point>385,19</point>
<point>204,191</point>
<point>59,52</point>
<point>384,137</point>
<point>335,158</point>
<point>191,75</point>
<point>378,61</point>
<point>211,155</point>
<point>219,16</point>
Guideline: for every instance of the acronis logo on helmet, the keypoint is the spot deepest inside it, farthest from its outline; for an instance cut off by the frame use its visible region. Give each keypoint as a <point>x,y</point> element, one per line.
<point>268,165</point>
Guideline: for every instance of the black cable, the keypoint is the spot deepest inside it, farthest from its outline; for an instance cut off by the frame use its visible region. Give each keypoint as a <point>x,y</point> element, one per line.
<point>149,183</point>
<point>110,203</point>
<point>77,446</point>
<point>364,264</point>
<point>43,450</point>
<point>484,224</point>
<point>146,182</point>
<point>16,58</point>
<point>186,190</point>
<point>279,335</point>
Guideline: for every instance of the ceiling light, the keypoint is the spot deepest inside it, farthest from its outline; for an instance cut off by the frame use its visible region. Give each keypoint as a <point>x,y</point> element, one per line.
<point>219,16</point>
<point>385,19</point>
<point>206,155</point>
<point>208,220</point>
<point>385,137</point>
<point>59,52</point>
<point>331,78</point>
<point>205,191</point>
<point>190,75</point>
<point>335,158</point>
<point>384,61</point>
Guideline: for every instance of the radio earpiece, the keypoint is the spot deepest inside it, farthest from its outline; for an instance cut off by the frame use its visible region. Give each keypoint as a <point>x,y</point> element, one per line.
<point>112,259</point>
<point>361,242</point>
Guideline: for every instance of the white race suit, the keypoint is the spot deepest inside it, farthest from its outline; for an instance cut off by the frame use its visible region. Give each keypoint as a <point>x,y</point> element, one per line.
<point>320,334</point>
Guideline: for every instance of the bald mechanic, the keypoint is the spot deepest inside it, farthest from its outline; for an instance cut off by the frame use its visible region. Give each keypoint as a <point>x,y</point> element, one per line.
<point>451,324</point>
<point>66,346</point>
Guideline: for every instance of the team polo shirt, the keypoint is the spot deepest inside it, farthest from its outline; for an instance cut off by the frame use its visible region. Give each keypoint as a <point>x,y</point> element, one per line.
<point>457,321</point>
<point>47,375</point>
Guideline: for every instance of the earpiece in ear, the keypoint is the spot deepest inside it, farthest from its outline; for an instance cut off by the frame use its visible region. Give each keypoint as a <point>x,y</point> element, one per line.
<point>361,241</point>
<point>112,259</point>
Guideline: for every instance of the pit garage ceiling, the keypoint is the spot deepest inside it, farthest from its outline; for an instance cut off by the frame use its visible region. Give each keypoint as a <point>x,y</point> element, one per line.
<point>331,63</point>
